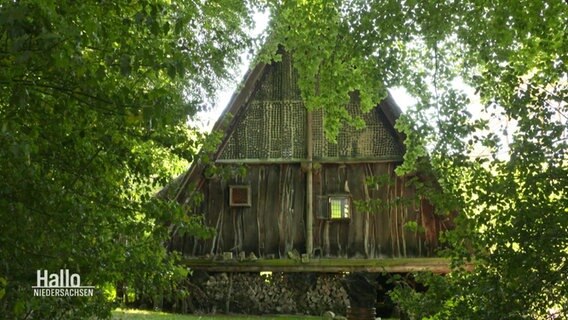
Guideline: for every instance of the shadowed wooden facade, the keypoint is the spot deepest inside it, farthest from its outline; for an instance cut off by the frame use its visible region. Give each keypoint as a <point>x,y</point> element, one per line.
<point>307,195</point>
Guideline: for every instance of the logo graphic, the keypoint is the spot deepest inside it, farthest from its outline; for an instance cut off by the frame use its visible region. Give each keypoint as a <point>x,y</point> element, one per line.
<point>62,284</point>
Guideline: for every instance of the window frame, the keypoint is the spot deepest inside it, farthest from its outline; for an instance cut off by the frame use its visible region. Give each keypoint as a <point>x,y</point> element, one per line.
<point>345,200</point>
<point>232,202</point>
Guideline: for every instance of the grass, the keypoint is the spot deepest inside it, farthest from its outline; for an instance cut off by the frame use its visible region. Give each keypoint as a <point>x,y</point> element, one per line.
<point>130,314</point>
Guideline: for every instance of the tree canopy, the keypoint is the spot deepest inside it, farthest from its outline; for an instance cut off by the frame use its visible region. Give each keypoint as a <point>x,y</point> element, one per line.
<point>95,95</point>
<point>513,210</point>
<point>94,100</point>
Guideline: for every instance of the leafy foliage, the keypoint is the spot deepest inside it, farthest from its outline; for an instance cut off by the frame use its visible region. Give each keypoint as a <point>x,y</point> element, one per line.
<point>94,96</point>
<point>512,200</point>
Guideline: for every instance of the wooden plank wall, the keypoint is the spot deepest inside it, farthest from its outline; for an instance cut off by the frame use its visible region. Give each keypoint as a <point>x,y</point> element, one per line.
<point>377,233</point>
<point>275,223</point>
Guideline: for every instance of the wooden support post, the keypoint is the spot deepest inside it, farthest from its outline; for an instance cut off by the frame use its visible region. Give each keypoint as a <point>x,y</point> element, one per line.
<point>309,188</point>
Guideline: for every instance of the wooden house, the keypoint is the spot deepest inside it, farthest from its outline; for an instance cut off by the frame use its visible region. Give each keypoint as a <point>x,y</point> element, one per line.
<point>288,192</point>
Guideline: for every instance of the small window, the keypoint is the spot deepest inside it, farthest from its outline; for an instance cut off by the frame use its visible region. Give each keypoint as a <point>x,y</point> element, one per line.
<point>339,207</point>
<point>335,207</point>
<point>239,196</point>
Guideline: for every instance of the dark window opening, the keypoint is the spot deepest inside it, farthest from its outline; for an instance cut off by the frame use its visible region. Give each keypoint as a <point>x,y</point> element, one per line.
<point>239,196</point>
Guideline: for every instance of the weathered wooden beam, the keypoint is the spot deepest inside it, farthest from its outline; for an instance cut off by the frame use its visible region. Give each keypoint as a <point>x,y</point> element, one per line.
<point>322,161</point>
<point>309,188</point>
<point>395,265</point>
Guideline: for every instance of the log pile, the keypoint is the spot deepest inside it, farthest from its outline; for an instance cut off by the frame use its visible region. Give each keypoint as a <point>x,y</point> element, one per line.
<point>253,293</point>
<point>328,294</point>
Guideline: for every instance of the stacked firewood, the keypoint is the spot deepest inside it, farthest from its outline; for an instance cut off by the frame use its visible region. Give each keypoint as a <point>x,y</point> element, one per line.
<point>328,294</point>
<point>253,293</point>
<point>261,294</point>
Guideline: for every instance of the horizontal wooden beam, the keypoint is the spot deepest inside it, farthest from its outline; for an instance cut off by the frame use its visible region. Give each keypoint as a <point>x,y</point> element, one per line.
<point>315,160</point>
<point>390,265</point>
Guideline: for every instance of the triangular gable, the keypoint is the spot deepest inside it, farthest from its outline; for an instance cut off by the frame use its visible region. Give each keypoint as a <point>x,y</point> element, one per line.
<point>271,125</point>
<point>253,93</point>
